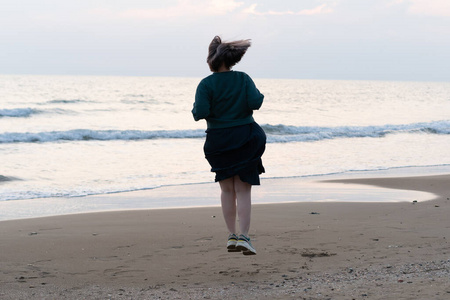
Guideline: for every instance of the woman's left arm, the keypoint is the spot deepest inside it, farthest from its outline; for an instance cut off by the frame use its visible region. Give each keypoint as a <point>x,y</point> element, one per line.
<point>254,97</point>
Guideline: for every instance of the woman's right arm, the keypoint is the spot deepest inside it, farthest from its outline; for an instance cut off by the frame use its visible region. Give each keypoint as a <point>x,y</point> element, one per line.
<point>201,104</point>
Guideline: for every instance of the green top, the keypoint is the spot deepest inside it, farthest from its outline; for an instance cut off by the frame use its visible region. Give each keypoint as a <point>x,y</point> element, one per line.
<point>226,99</point>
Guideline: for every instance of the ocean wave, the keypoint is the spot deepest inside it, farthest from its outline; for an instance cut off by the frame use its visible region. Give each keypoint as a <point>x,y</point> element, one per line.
<point>6,178</point>
<point>286,133</point>
<point>18,112</point>
<point>275,133</point>
<point>99,135</point>
<point>68,101</point>
<point>28,112</point>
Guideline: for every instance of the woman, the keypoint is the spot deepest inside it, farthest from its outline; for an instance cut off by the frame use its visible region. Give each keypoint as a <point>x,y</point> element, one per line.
<point>234,141</point>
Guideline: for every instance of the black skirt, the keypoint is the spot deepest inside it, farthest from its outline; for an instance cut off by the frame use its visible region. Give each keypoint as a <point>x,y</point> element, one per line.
<point>236,151</point>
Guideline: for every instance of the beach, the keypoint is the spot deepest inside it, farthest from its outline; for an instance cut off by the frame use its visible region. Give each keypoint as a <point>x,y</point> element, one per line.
<point>108,110</point>
<point>306,250</point>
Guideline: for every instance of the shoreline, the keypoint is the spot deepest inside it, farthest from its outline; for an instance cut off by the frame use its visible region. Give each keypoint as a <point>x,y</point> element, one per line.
<point>272,191</point>
<point>324,188</point>
<point>320,250</point>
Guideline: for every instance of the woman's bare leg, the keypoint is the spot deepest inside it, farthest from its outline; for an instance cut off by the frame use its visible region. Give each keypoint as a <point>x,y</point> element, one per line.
<point>244,203</point>
<point>228,199</point>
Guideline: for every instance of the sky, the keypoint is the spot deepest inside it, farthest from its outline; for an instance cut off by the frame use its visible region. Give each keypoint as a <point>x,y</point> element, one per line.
<point>407,40</point>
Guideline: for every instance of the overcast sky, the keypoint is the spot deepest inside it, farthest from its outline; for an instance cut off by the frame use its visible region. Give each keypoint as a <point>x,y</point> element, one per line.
<point>307,39</point>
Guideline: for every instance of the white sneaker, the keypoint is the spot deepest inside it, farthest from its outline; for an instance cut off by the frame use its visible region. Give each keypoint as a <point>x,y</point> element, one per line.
<point>243,244</point>
<point>231,243</point>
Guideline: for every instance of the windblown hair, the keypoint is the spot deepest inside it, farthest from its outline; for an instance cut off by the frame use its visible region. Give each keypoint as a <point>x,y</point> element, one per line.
<point>228,53</point>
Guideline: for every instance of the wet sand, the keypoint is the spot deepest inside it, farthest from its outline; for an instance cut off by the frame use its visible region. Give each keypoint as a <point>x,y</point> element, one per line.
<point>306,250</point>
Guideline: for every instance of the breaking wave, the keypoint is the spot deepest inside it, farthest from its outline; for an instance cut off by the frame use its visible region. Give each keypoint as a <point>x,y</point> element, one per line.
<point>275,133</point>
<point>284,133</point>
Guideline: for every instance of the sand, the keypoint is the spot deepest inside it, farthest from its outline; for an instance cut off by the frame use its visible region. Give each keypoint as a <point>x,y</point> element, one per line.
<point>305,251</point>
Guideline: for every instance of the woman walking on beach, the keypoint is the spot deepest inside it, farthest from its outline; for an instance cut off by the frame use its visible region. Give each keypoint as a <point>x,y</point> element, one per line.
<point>234,141</point>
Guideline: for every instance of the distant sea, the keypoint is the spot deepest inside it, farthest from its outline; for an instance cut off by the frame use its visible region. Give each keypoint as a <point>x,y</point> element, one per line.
<point>70,136</point>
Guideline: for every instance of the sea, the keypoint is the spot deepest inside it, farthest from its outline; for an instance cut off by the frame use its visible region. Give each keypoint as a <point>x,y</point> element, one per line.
<point>73,136</point>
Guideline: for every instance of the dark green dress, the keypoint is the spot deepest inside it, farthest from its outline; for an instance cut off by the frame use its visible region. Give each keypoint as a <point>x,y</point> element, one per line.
<point>234,142</point>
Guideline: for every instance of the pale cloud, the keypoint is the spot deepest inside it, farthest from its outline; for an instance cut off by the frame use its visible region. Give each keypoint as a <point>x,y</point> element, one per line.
<point>430,7</point>
<point>354,39</point>
<point>185,8</point>
<point>425,7</point>
<point>321,9</point>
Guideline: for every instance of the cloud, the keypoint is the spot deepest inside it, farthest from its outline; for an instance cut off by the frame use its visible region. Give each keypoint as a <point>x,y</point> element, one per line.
<point>440,8</point>
<point>430,7</point>
<point>321,9</point>
<point>185,8</point>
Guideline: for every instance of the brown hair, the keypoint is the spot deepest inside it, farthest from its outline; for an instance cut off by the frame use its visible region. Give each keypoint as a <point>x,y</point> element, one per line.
<point>228,53</point>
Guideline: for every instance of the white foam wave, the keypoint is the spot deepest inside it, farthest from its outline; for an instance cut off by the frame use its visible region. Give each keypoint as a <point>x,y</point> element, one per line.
<point>285,134</point>
<point>100,135</point>
<point>275,133</point>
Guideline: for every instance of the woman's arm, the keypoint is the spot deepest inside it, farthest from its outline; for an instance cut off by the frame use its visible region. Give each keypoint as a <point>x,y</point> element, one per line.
<point>201,105</point>
<point>254,97</point>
